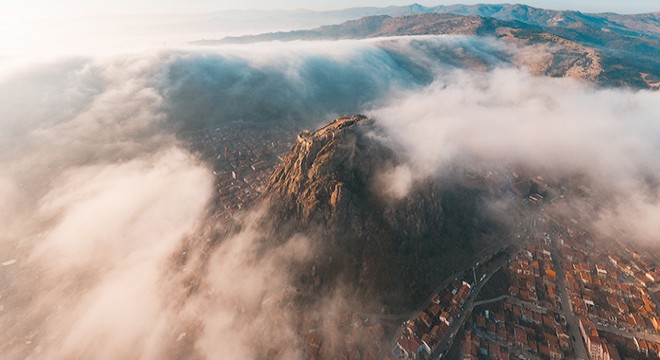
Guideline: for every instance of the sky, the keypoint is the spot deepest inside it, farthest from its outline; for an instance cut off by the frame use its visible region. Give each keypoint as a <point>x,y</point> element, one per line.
<point>77,7</point>
<point>101,202</point>
<point>36,28</point>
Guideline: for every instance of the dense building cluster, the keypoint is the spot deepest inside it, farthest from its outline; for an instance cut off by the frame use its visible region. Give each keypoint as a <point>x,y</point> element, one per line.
<point>420,336</point>
<point>609,287</point>
<point>610,290</point>
<point>243,157</point>
<point>527,322</point>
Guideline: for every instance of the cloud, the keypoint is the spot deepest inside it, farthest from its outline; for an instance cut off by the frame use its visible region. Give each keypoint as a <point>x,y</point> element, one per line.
<point>106,233</point>
<point>300,81</point>
<point>396,182</point>
<point>557,128</point>
<point>99,197</point>
<point>249,297</point>
<point>104,258</point>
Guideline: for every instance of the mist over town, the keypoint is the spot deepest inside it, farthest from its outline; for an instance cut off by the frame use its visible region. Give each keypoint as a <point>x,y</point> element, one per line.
<point>434,181</point>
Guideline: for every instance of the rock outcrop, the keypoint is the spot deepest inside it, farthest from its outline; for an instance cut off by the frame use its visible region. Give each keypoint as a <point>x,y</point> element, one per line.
<point>327,174</point>
<point>393,250</point>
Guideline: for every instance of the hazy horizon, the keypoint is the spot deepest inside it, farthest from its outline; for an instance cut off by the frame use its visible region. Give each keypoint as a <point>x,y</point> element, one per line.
<point>38,29</point>
<point>169,7</point>
<point>160,200</point>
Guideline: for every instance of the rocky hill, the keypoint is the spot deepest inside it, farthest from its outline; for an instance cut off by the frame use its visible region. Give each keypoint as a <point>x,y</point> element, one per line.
<point>392,250</point>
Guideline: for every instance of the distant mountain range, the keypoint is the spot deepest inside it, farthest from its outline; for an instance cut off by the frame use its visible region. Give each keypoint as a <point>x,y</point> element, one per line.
<point>229,21</point>
<point>636,25</point>
<point>383,26</point>
<point>608,48</point>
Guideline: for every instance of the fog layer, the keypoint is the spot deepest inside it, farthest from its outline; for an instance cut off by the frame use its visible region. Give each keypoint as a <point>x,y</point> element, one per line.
<point>560,129</point>
<point>101,195</point>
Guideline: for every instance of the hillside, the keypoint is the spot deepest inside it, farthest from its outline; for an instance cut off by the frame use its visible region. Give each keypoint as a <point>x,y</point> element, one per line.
<point>609,49</point>
<point>236,20</point>
<point>392,250</point>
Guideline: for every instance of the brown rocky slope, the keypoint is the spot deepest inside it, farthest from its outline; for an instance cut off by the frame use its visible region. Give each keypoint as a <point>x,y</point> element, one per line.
<point>392,250</point>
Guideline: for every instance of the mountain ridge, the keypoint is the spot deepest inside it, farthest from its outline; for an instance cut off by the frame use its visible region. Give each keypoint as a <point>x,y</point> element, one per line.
<point>579,50</point>
<point>646,22</point>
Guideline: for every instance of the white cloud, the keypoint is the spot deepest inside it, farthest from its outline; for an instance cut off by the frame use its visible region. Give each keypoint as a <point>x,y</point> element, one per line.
<point>100,198</point>
<point>554,127</point>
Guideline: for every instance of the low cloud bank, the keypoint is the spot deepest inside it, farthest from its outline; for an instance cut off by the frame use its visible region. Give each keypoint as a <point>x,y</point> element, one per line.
<point>560,129</point>
<point>311,82</point>
<point>102,200</point>
<point>96,199</point>
<point>105,253</point>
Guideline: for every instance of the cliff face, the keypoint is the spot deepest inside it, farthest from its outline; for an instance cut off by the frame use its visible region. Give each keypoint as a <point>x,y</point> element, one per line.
<point>309,184</point>
<point>327,175</point>
<point>392,250</point>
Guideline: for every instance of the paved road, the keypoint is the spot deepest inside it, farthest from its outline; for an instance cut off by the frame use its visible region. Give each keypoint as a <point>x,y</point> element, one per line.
<point>445,343</point>
<point>655,289</point>
<point>479,258</point>
<point>566,306</point>
<point>628,333</point>
<point>499,298</point>
<point>515,350</point>
<point>528,305</point>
